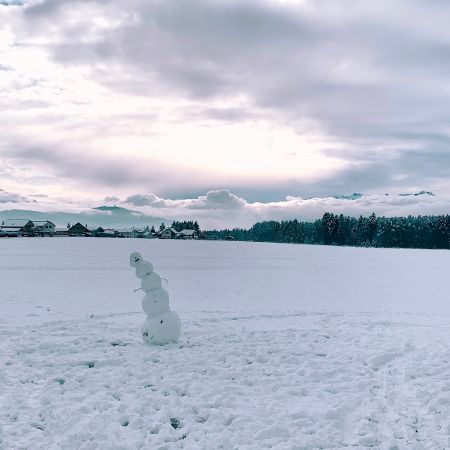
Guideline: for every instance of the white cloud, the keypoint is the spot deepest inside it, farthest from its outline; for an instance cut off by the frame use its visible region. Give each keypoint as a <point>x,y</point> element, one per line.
<point>223,208</point>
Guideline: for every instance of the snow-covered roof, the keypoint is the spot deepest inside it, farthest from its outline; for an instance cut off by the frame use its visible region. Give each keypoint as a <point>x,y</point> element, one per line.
<point>108,231</point>
<point>10,229</point>
<point>15,222</point>
<point>42,222</point>
<point>171,229</point>
<point>187,232</point>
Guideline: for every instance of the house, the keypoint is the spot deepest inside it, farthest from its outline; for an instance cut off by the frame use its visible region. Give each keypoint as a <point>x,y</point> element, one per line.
<point>79,230</point>
<point>9,232</point>
<point>105,232</point>
<point>44,227</point>
<point>168,233</point>
<point>187,234</point>
<point>135,233</point>
<point>18,227</point>
<point>61,231</point>
<point>147,234</point>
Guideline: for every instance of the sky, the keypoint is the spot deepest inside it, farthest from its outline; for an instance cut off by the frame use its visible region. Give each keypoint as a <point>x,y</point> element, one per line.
<point>234,111</point>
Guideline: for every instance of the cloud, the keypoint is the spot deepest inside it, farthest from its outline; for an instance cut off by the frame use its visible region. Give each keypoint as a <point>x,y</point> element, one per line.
<point>11,197</point>
<point>357,70</point>
<point>112,199</point>
<point>218,199</point>
<point>224,209</point>
<point>145,200</point>
<point>95,168</point>
<point>369,78</point>
<point>11,3</point>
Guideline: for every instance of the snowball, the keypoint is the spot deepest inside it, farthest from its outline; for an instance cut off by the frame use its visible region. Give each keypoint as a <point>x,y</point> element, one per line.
<point>161,295</point>
<point>135,258</point>
<point>143,269</point>
<point>151,282</point>
<point>156,302</point>
<point>162,329</point>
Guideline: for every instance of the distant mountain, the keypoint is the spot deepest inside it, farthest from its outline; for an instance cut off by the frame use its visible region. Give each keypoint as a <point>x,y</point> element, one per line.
<point>357,195</point>
<point>118,210</point>
<point>104,216</point>
<point>417,194</point>
<point>353,196</point>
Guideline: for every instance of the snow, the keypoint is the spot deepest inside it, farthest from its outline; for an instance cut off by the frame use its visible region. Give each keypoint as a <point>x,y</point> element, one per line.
<point>151,282</point>
<point>155,302</point>
<point>163,329</point>
<point>144,269</point>
<point>283,347</point>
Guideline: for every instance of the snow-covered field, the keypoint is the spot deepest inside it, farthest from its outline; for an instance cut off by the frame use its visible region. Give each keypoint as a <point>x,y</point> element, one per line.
<point>285,347</point>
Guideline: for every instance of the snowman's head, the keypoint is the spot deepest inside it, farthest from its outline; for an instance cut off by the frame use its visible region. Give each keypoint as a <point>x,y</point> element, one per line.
<point>156,302</point>
<point>144,269</point>
<point>135,259</point>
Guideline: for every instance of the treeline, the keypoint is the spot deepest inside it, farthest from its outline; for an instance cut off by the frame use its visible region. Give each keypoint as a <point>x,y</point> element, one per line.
<point>185,225</point>
<point>403,232</point>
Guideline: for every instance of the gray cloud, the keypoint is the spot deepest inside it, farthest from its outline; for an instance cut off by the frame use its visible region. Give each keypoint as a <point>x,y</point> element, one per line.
<point>92,168</point>
<point>11,3</point>
<point>367,75</point>
<point>145,200</point>
<point>112,199</point>
<point>373,76</point>
<point>11,197</point>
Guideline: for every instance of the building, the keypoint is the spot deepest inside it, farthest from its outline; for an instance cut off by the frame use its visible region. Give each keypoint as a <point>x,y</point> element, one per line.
<point>136,233</point>
<point>187,234</point>
<point>168,233</point>
<point>17,227</point>
<point>106,232</point>
<point>44,227</point>
<point>9,232</point>
<point>79,230</point>
<point>61,231</point>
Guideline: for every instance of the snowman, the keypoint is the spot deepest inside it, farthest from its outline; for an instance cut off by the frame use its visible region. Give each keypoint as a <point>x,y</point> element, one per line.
<point>162,325</point>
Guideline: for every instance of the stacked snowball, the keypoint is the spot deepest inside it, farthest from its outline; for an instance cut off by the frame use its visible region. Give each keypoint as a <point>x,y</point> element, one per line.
<point>162,325</point>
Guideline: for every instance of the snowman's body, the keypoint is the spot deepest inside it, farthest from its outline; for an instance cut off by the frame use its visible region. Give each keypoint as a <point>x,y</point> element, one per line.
<point>162,329</point>
<point>162,325</point>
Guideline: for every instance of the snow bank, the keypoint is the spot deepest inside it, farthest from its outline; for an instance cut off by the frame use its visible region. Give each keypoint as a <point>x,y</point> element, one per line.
<point>346,348</point>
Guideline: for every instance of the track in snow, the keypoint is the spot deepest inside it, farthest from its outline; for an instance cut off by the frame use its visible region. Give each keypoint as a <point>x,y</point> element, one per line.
<point>293,381</point>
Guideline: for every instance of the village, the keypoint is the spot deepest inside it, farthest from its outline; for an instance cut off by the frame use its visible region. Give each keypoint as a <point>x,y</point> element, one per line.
<point>43,228</point>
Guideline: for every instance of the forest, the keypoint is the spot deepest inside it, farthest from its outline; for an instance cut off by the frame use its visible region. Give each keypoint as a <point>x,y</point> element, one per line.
<point>431,232</point>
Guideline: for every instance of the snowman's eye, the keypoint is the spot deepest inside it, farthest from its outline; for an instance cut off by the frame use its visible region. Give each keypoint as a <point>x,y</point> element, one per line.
<point>161,321</point>
<point>155,301</point>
